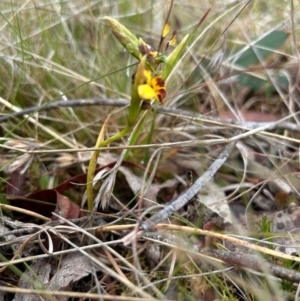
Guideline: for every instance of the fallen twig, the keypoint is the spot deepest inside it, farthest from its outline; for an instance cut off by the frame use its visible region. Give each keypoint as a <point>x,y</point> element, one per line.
<point>253,262</point>
<point>191,192</point>
<point>280,124</point>
<point>236,259</point>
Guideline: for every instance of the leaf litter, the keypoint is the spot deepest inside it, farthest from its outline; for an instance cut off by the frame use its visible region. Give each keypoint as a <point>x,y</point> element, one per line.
<point>217,214</point>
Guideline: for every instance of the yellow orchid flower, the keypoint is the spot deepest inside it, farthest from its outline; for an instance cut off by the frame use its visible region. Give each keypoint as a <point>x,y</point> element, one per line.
<point>153,88</point>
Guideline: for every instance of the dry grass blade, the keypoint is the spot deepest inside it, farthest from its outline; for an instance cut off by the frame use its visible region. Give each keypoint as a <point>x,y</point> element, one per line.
<point>71,294</point>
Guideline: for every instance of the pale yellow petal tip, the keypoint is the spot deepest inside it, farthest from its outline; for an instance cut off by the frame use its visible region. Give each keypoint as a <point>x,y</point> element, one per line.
<point>166,29</point>
<point>173,39</point>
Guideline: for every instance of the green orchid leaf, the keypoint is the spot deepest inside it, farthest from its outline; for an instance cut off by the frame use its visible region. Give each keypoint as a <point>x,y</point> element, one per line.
<point>256,83</point>
<point>174,56</point>
<point>261,48</point>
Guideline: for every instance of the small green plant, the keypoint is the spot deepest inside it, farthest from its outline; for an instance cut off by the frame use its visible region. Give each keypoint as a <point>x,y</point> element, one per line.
<point>265,225</point>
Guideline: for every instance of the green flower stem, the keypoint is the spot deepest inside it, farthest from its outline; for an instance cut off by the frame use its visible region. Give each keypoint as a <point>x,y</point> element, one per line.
<point>134,112</point>
<point>135,109</point>
<point>93,162</point>
<point>150,135</point>
<point>136,134</point>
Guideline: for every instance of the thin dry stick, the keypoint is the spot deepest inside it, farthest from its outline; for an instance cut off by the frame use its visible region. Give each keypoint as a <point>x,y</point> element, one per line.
<point>191,192</point>
<point>160,109</point>
<point>67,104</point>
<point>69,294</point>
<point>242,260</point>
<point>253,262</point>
